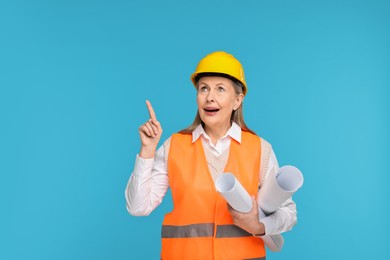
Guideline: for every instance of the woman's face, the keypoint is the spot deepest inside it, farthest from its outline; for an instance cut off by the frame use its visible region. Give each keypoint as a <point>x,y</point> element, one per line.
<point>216,101</point>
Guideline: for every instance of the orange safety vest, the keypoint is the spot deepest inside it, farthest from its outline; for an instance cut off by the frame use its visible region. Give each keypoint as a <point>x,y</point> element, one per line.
<point>200,225</point>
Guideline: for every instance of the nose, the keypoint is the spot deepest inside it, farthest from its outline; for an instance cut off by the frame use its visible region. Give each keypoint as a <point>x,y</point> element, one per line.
<point>210,96</point>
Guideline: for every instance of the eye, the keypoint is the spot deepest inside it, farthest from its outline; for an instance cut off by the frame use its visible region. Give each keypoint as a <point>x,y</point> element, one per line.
<point>203,89</point>
<point>221,89</point>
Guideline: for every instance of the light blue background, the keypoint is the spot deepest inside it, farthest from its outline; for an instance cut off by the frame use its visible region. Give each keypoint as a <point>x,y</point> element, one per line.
<point>74,76</point>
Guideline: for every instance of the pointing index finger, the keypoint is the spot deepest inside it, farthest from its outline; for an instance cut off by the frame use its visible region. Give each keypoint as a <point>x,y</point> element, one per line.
<point>151,111</point>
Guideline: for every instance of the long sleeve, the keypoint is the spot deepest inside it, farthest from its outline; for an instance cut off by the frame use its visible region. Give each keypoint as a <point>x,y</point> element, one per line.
<point>148,183</point>
<point>285,217</point>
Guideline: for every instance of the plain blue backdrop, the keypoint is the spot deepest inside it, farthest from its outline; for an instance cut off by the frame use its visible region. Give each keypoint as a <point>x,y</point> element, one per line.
<point>74,76</point>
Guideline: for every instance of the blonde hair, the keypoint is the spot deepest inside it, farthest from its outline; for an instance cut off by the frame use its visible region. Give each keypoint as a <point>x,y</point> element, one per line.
<point>236,117</point>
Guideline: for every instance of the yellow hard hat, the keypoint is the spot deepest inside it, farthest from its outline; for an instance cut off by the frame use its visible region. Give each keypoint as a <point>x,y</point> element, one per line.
<point>222,64</point>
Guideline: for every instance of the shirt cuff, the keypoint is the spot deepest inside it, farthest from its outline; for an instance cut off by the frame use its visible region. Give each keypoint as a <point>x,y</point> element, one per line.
<point>142,166</point>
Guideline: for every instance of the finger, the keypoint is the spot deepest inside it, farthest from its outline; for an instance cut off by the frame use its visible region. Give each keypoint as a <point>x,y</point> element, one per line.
<point>145,130</point>
<point>254,204</point>
<point>156,123</point>
<point>231,210</point>
<point>254,199</point>
<point>154,127</point>
<point>151,111</point>
<point>149,127</point>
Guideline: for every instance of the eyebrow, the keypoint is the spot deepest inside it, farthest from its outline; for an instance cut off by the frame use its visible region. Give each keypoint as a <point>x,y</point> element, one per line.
<point>218,84</point>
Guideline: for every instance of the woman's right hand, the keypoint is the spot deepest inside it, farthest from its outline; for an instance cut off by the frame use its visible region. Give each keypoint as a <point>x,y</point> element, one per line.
<point>150,134</point>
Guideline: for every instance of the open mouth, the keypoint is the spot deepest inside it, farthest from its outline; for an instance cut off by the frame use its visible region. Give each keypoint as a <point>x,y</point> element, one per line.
<point>211,110</point>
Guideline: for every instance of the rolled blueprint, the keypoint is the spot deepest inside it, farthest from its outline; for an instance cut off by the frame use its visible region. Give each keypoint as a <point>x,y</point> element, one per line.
<point>277,189</point>
<point>279,186</point>
<point>233,192</point>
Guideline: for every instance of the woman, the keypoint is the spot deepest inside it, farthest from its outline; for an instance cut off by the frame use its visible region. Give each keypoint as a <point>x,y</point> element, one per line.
<point>202,225</point>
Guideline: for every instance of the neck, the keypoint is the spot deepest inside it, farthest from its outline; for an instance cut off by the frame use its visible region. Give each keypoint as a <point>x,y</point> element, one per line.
<point>215,133</point>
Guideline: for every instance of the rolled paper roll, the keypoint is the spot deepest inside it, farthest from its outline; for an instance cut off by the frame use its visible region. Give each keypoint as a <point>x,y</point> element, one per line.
<point>239,199</point>
<point>278,187</point>
<point>274,243</point>
<point>233,192</point>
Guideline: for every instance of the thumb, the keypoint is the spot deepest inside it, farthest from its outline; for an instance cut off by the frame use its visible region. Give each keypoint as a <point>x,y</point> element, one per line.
<point>254,201</point>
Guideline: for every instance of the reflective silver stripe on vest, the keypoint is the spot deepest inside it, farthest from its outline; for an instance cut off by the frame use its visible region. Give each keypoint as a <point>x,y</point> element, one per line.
<point>257,258</point>
<point>202,230</point>
<point>194,230</point>
<point>231,231</point>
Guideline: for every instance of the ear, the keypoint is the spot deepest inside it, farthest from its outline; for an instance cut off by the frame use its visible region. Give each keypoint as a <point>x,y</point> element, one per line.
<point>238,101</point>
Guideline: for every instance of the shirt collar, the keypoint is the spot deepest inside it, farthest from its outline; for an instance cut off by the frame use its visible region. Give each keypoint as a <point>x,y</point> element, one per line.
<point>234,132</point>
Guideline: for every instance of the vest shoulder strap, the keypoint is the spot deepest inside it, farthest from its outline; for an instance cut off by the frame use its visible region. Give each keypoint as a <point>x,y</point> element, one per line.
<point>266,149</point>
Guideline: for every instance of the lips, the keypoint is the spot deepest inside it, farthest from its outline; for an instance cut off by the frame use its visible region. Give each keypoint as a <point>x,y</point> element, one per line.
<point>211,109</point>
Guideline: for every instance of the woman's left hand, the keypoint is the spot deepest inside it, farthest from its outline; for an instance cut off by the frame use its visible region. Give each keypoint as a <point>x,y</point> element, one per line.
<point>248,221</point>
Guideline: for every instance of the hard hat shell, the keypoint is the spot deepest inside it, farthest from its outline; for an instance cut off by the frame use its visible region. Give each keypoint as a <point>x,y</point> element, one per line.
<point>222,64</point>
